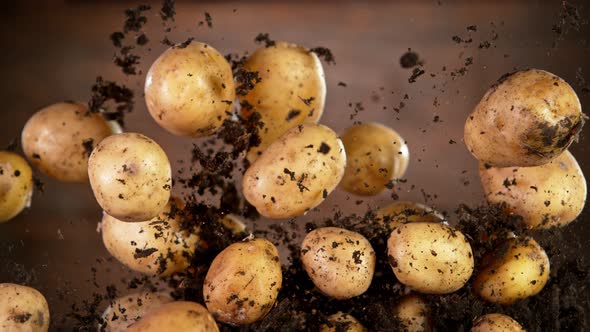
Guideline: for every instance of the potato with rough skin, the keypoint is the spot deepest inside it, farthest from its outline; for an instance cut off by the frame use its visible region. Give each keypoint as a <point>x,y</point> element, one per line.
<point>131,177</point>
<point>16,185</point>
<point>400,213</point>
<point>517,269</point>
<point>176,316</point>
<point>296,172</point>
<point>528,118</point>
<point>128,309</point>
<point>496,323</point>
<point>375,155</point>
<point>291,90</point>
<point>430,258</point>
<point>342,322</point>
<point>243,282</point>
<point>189,89</point>
<point>59,138</point>
<point>23,309</point>
<point>544,196</point>
<point>414,313</point>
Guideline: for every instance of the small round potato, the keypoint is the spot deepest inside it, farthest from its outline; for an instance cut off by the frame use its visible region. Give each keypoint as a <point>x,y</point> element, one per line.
<point>544,196</point>
<point>430,258</point>
<point>23,309</point>
<point>189,89</point>
<point>375,155</point>
<point>400,213</point>
<point>59,138</point>
<point>519,268</point>
<point>131,177</point>
<point>528,118</point>
<point>342,322</point>
<point>414,314</point>
<point>176,316</point>
<point>496,323</point>
<point>341,263</point>
<point>291,91</point>
<point>16,185</point>
<point>128,309</point>
<point>296,172</point>
<point>243,282</point>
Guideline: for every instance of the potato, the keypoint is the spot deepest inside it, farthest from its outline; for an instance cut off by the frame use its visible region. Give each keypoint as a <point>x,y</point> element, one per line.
<point>341,263</point>
<point>414,313</point>
<point>528,118</point>
<point>131,177</point>
<point>544,196</point>
<point>296,172</point>
<point>375,155</point>
<point>243,282</point>
<point>291,91</point>
<point>189,89</point>
<point>400,213</point>
<point>128,309</point>
<point>342,322</point>
<point>23,309</point>
<point>519,268</point>
<point>59,138</point>
<point>496,323</point>
<point>16,185</point>
<point>176,316</point>
<point>430,258</point>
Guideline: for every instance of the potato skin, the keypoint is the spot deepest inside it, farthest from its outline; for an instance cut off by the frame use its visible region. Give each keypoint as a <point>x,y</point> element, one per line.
<point>23,309</point>
<point>545,196</point>
<point>131,177</point>
<point>16,185</point>
<point>296,172</point>
<point>243,282</point>
<point>342,322</point>
<point>430,258</point>
<point>400,213</point>
<point>189,91</point>
<point>496,323</point>
<point>414,313</point>
<point>341,263</point>
<point>292,91</point>
<point>128,309</point>
<point>519,268</point>
<point>528,118</point>
<point>56,138</point>
<point>176,316</point>
<point>375,155</point>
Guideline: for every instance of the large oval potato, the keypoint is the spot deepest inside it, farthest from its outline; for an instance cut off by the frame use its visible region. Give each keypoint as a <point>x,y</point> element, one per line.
<point>496,323</point>
<point>131,177</point>
<point>128,309</point>
<point>243,282</point>
<point>189,89</point>
<point>291,91</point>
<point>23,309</point>
<point>528,118</point>
<point>176,316</point>
<point>16,185</point>
<point>430,258</point>
<point>296,172</point>
<point>375,155</point>
<point>544,196</point>
<point>342,322</point>
<point>414,314</point>
<point>400,213</point>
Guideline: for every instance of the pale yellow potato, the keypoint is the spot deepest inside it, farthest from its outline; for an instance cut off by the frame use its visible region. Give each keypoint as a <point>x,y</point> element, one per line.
<point>22,309</point>
<point>189,89</point>
<point>128,309</point>
<point>292,91</point>
<point>59,138</point>
<point>544,196</point>
<point>496,323</point>
<point>430,258</point>
<point>176,316</point>
<point>296,172</point>
<point>342,322</point>
<point>375,155</point>
<point>131,176</point>
<point>341,263</point>
<point>414,313</point>
<point>233,223</point>
<point>243,282</point>
<point>519,268</point>
<point>400,213</point>
<point>16,185</point>
<point>528,118</point>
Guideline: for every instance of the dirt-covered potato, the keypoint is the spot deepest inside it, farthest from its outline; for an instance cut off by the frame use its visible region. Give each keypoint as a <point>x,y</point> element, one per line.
<point>400,213</point>
<point>342,322</point>
<point>375,155</point>
<point>430,258</point>
<point>23,309</point>
<point>189,89</point>
<point>296,172</point>
<point>517,269</point>
<point>176,316</point>
<point>341,263</point>
<point>544,196</point>
<point>243,282</point>
<point>496,323</point>
<point>16,185</point>
<point>59,138</point>
<point>414,313</point>
<point>291,90</point>
<point>528,118</point>
<point>131,177</point>
<point>126,310</point>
